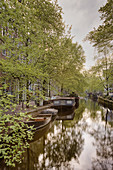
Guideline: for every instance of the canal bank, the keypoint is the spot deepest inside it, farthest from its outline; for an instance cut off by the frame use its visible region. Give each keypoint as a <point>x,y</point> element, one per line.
<point>105,102</point>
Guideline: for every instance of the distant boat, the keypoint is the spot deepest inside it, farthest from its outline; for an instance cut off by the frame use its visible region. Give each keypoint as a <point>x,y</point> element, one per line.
<point>63,103</point>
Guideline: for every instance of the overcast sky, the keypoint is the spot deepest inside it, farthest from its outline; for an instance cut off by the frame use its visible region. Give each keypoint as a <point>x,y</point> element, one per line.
<point>83,15</point>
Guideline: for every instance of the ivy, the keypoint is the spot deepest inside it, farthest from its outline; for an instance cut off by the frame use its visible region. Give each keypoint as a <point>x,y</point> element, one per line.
<point>14,136</point>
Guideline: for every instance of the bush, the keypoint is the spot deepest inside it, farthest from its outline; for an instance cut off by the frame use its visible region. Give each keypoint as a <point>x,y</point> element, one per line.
<point>13,132</point>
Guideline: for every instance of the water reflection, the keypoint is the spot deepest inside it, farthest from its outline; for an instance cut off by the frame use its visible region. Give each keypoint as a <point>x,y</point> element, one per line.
<point>103,140</point>
<point>104,149</point>
<point>109,117</point>
<point>61,148</point>
<point>86,142</point>
<point>63,116</point>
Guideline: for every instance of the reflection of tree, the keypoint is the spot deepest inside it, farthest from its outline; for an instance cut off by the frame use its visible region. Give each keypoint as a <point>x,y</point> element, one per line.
<point>109,117</point>
<point>57,149</point>
<point>54,150</point>
<point>93,107</point>
<point>104,149</point>
<point>60,149</point>
<point>79,112</point>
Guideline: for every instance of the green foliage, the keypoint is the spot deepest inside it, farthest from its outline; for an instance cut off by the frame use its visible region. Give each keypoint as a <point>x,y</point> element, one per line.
<point>102,39</point>
<point>68,67</point>
<point>102,74</point>
<point>94,83</point>
<point>14,135</point>
<point>37,46</point>
<point>103,36</point>
<point>79,112</point>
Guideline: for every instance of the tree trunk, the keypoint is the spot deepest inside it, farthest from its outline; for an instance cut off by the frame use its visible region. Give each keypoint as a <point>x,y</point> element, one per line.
<point>49,89</point>
<point>27,94</point>
<point>62,89</point>
<point>44,89</point>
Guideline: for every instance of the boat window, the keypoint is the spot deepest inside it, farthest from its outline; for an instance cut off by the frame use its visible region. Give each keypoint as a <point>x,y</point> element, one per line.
<point>56,102</point>
<point>69,102</point>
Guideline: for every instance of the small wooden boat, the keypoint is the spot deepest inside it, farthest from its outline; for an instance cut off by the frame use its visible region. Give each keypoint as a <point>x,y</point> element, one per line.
<point>41,125</point>
<point>51,111</point>
<point>63,102</point>
<point>38,121</point>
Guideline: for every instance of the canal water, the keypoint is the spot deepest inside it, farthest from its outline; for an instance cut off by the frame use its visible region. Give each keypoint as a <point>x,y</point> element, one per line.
<point>80,141</point>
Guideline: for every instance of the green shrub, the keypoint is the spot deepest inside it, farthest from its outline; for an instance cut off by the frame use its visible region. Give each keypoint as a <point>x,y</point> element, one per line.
<point>14,135</point>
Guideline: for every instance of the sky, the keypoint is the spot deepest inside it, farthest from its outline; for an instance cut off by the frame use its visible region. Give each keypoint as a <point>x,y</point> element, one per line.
<point>83,15</point>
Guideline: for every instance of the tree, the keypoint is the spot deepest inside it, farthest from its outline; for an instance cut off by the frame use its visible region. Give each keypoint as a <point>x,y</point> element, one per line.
<point>93,82</point>
<point>26,34</point>
<point>102,37</point>
<point>103,73</point>
<point>33,36</point>
<point>69,64</point>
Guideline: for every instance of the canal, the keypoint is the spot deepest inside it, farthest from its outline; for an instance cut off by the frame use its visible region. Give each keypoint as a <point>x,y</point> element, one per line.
<point>83,143</point>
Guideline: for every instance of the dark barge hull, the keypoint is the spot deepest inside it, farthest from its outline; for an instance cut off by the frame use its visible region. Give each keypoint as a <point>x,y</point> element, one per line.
<point>64,103</point>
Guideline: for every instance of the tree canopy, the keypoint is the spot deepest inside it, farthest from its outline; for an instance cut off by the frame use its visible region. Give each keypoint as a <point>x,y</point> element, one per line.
<point>102,39</point>
<point>103,36</point>
<point>36,45</point>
